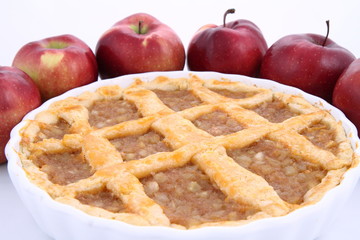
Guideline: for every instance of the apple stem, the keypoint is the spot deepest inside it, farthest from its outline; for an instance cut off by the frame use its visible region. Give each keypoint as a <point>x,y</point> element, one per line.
<point>327,33</point>
<point>231,10</point>
<point>140,26</point>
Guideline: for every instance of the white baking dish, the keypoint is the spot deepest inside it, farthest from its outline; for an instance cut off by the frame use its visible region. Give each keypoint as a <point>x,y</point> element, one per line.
<point>62,221</point>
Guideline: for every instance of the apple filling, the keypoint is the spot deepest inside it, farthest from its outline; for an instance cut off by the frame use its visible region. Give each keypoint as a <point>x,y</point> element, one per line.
<point>102,198</point>
<point>189,198</point>
<point>104,113</point>
<point>64,168</point>
<point>232,94</point>
<point>178,100</point>
<point>289,176</point>
<point>139,146</point>
<point>56,131</point>
<point>321,135</point>
<point>217,123</point>
<point>275,111</point>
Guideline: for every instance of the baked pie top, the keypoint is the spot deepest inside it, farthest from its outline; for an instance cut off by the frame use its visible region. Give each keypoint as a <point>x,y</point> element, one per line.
<point>185,152</point>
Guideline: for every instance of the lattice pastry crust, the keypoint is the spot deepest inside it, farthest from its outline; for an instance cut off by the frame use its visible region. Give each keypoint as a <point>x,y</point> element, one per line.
<point>242,165</point>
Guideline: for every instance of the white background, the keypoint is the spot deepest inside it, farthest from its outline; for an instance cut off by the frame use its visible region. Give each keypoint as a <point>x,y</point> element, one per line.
<point>25,21</point>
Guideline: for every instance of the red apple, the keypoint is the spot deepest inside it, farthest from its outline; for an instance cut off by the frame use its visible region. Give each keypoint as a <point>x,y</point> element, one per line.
<point>57,64</point>
<point>136,44</point>
<point>18,96</point>
<point>310,62</point>
<point>236,47</point>
<point>346,94</point>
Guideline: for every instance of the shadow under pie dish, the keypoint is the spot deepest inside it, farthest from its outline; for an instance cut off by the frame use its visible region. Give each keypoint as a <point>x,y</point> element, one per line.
<point>168,155</point>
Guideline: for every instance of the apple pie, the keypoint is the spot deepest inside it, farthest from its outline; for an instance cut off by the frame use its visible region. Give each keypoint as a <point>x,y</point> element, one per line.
<point>185,152</point>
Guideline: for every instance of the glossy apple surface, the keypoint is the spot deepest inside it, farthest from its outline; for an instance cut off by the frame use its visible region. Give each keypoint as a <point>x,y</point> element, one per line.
<point>57,64</point>
<point>301,60</point>
<point>346,94</point>
<point>18,96</point>
<point>236,47</point>
<point>139,43</point>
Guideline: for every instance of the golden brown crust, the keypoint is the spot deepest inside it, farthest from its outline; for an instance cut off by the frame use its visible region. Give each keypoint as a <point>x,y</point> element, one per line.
<point>188,144</point>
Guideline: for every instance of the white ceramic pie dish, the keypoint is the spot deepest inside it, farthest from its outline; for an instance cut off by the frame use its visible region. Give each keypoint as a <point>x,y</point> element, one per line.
<point>62,221</point>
